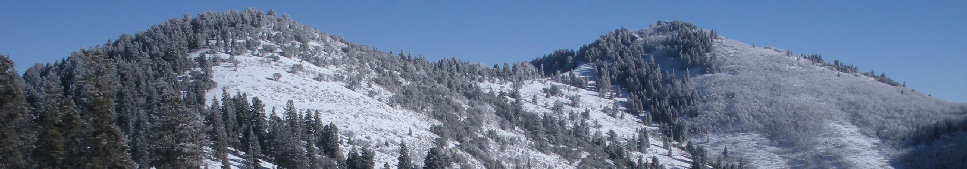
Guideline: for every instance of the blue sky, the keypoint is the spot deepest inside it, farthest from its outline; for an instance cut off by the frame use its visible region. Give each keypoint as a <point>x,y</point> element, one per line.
<point>922,43</point>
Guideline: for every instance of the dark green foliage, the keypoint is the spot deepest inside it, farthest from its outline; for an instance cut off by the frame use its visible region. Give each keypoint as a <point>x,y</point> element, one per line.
<point>217,134</point>
<point>561,59</point>
<point>628,58</point>
<point>56,117</point>
<point>104,142</point>
<point>362,160</point>
<point>14,132</point>
<point>436,158</point>
<point>641,141</point>
<point>180,136</point>
<point>134,89</point>
<point>51,143</point>
<point>404,159</point>
<point>253,149</point>
<point>230,118</point>
<point>330,141</point>
<point>290,151</point>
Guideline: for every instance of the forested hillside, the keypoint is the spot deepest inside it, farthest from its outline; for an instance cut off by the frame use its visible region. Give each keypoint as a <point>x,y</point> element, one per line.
<point>254,89</point>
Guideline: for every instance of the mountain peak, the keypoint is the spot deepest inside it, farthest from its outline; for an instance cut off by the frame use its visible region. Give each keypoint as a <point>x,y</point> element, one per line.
<point>267,91</point>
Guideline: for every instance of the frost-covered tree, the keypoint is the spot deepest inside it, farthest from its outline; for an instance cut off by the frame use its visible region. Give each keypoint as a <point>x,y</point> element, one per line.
<point>14,144</point>
<point>217,134</point>
<point>180,139</point>
<point>436,158</point>
<point>404,159</point>
<point>330,141</point>
<point>104,144</point>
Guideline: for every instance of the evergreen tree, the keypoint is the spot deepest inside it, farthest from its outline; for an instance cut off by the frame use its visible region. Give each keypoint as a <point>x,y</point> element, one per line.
<point>367,159</point>
<point>180,142</point>
<point>51,143</point>
<point>290,152</point>
<point>436,158</point>
<point>229,118</point>
<point>253,153</point>
<point>73,129</point>
<point>141,143</point>
<point>642,141</point>
<point>217,134</point>
<point>13,110</point>
<point>293,121</point>
<point>330,141</point>
<point>352,159</point>
<point>258,122</point>
<point>243,113</point>
<point>357,160</point>
<point>404,160</point>
<point>104,145</point>
<point>276,128</point>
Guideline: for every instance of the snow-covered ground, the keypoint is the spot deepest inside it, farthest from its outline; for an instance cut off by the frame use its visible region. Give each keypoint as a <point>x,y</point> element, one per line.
<point>759,97</point>
<point>364,116</point>
<point>364,119</point>
<point>624,125</point>
<point>777,109</point>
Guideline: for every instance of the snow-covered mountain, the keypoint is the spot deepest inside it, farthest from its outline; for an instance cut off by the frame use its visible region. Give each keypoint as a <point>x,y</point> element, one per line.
<point>366,116</point>
<point>785,111</point>
<point>668,96</point>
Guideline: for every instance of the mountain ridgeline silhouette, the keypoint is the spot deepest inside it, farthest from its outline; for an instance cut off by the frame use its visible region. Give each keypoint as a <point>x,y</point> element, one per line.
<point>203,91</point>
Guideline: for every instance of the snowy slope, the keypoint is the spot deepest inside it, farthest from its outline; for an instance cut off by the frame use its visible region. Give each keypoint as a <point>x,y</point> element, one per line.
<point>364,119</point>
<point>364,116</point>
<point>624,125</point>
<point>782,111</point>
<point>774,109</point>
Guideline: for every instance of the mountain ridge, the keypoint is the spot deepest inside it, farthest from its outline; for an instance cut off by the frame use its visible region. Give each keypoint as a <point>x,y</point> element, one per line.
<point>472,112</point>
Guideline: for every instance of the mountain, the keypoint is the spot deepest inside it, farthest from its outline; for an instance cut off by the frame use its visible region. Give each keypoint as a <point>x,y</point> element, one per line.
<point>247,89</point>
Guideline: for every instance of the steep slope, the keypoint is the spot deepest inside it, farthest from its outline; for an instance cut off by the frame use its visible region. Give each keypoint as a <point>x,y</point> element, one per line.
<point>805,114</point>
<point>774,109</point>
<point>364,119</point>
<point>369,120</point>
<point>654,98</point>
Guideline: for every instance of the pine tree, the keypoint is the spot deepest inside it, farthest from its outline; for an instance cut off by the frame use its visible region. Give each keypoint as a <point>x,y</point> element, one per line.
<point>141,143</point>
<point>104,145</point>
<point>436,158</point>
<point>258,122</point>
<point>312,154</point>
<point>242,112</point>
<point>352,159</point>
<point>289,151</point>
<point>290,145</point>
<point>72,128</point>
<point>180,141</point>
<point>367,159</point>
<point>51,143</point>
<point>642,141</point>
<point>276,127</point>
<point>231,121</point>
<point>292,120</point>
<point>13,111</point>
<point>217,134</point>
<point>330,141</point>
<point>404,160</point>
<point>253,148</point>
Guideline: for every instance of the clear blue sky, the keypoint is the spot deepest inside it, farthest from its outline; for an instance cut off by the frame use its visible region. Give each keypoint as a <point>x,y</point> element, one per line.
<point>922,43</point>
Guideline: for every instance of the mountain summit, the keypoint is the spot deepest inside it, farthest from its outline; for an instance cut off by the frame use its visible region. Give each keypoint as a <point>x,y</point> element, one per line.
<point>253,89</point>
